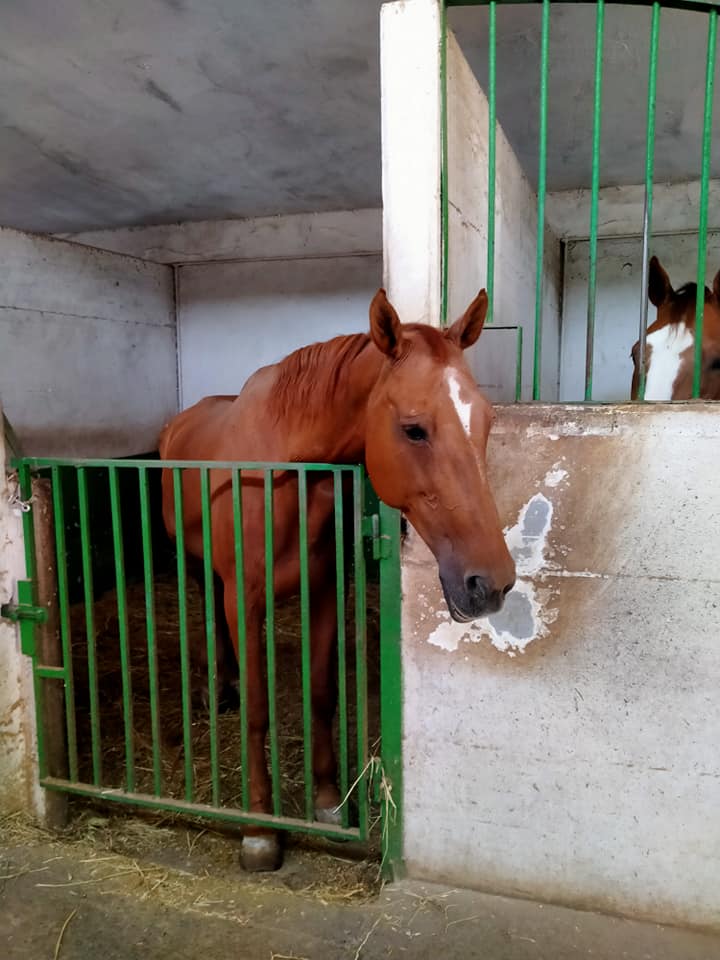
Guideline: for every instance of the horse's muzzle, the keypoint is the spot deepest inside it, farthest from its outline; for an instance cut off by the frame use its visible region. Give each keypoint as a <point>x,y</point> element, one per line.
<point>473,596</point>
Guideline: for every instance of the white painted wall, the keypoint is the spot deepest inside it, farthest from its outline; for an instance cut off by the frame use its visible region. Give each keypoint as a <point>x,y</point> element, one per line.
<point>236,317</point>
<point>87,347</point>
<point>493,359</point>
<point>17,723</point>
<point>566,750</point>
<point>619,294</point>
<point>306,234</point>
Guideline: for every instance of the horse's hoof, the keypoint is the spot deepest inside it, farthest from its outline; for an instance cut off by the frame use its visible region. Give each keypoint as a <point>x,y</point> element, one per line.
<point>329,815</point>
<point>261,854</point>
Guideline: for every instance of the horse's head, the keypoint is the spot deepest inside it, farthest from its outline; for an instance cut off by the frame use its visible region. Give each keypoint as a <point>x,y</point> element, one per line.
<point>670,345</point>
<point>425,449</point>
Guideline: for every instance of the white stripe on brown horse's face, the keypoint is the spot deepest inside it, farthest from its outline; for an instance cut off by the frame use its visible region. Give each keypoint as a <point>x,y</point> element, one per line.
<point>665,358</point>
<point>463,406</point>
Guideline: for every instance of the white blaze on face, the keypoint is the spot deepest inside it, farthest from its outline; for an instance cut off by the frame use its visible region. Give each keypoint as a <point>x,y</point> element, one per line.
<point>668,345</point>
<point>462,407</point>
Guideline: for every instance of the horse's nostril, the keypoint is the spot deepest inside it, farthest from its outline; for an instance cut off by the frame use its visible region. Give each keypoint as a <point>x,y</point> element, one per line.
<point>508,588</point>
<point>477,587</point>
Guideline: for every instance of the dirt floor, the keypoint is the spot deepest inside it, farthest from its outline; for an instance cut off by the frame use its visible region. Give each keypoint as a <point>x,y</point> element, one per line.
<point>115,888</point>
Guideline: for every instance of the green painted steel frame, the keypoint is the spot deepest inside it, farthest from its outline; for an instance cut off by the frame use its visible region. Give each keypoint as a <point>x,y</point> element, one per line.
<point>700,6</point>
<point>382,774</point>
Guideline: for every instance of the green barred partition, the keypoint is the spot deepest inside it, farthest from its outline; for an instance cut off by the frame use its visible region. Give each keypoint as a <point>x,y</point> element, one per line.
<point>117,503</point>
<point>705,8</point>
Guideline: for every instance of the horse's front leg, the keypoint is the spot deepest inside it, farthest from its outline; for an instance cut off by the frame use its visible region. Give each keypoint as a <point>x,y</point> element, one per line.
<point>261,848</point>
<point>324,696</point>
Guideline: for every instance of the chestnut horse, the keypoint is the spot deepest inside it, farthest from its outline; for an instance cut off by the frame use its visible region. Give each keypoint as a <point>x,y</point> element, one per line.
<point>401,400</point>
<point>670,345</point>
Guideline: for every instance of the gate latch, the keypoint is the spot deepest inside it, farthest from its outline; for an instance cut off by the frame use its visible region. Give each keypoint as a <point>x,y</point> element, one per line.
<point>380,542</point>
<point>27,613</point>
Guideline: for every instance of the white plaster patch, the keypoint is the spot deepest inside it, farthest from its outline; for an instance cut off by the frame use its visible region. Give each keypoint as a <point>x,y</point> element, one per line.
<point>555,477</point>
<point>668,344</point>
<point>462,408</point>
<point>524,617</point>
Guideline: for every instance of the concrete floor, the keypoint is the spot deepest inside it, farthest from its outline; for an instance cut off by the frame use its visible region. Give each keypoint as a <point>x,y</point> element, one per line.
<point>104,894</point>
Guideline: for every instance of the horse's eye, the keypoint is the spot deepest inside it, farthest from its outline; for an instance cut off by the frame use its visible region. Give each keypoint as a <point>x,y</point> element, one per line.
<point>415,433</point>
<point>715,364</point>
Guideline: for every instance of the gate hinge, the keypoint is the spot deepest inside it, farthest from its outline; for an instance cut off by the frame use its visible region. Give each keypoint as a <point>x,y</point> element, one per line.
<point>380,542</point>
<point>26,613</point>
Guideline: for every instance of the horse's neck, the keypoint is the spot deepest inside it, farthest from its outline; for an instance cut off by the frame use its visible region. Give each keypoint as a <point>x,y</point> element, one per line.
<point>338,435</point>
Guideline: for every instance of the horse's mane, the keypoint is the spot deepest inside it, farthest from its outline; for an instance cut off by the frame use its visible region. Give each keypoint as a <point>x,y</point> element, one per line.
<point>308,379</point>
<point>687,294</point>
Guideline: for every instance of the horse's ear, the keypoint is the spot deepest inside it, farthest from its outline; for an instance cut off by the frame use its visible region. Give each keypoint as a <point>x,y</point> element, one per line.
<point>385,326</point>
<point>466,330</point>
<point>659,286</point>
<point>716,286</point>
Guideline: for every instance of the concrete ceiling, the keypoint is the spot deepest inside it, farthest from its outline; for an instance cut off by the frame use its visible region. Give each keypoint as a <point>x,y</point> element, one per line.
<point>680,89</point>
<point>126,112</point>
<point>120,112</point>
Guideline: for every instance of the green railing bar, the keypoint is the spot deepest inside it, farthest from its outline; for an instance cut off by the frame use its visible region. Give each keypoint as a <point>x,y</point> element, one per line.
<point>146,529</point>
<point>341,645</point>
<point>116,512</point>
<point>542,183</point>
<point>89,598</point>
<point>207,812</point>
<point>701,6</point>
<point>209,577</point>
<point>64,610</point>
<point>648,205</point>
<point>704,192</point>
<point>183,632</point>
<point>28,523</point>
<point>241,633</point>
<point>360,646</point>
<point>270,639</point>
<point>391,693</point>
<point>50,673</point>
<point>492,134</point>
<point>258,466</point>
<point>444,195</point>
<point>519,366</point>
<point>305,645</point>
<point>594,194</point>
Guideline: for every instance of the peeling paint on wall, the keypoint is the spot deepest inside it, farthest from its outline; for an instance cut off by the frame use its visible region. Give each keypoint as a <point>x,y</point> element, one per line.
<point>526,614</point>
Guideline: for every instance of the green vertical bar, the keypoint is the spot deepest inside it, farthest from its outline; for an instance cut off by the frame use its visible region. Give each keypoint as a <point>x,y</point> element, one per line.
<point>704,191</point>
<point>444,195</point>
<point>28,522</point>
<point>594,193</point>
<point>305,644</point>
<point>122,627</point>
<point>492,131</point>
<point>391,691</point>
<point>88,594</point>
<point>542,181</point>
<point>270,640</point>
<point>360,645</point>
<point>342,657</point>
<point>649,175</point>
<point>241,633</point>
<point>519,366</point>
<point>183,631</point>
<point>210,631</point>
<point>151,632</point>
<point>64,609</point>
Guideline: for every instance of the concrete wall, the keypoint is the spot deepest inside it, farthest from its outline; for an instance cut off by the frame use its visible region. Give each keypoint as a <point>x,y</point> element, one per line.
<point>566,749</point>
<point>493,359</point>
<point>87,347</point>
<point>17,728</point>
<point>619,293</point>
<point>236,317</point>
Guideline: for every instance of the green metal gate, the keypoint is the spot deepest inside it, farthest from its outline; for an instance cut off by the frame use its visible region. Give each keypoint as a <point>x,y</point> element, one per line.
<point>105,518</point>
<point>708,9</point>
